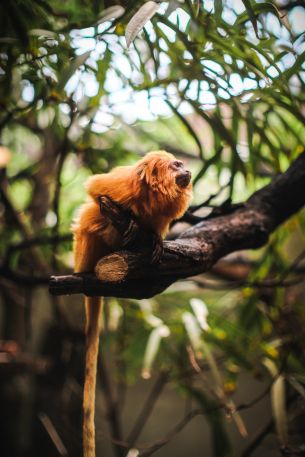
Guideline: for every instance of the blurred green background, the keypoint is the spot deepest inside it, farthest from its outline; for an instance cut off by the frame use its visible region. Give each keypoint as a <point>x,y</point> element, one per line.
<point>215,365</point>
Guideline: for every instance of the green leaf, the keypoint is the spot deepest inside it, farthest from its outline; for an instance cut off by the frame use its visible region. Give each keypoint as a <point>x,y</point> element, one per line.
<point>213,413</point>
<point>216,123</point>
<point>253,10</point>
<point>212,160</point>
<point>218,9</point>
<point>71,69</point>
<point>296,67</point>
<point>189,128</point>
<point>251,15</point>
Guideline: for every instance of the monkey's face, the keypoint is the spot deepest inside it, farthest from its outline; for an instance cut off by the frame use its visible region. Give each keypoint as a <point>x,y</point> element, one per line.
<point>163,173</point>
<point>182,176</point>
<point>163,186</point>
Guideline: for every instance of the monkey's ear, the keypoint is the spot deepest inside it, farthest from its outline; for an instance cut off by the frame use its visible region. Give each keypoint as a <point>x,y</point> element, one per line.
<point>141,170</point>
<point>97,185</point>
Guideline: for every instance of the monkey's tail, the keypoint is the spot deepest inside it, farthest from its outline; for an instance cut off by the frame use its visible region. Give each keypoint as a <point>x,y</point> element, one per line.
<point>93,307</point>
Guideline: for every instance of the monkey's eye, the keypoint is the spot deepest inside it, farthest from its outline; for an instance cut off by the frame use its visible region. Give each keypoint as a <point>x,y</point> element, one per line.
<point>177,164</point>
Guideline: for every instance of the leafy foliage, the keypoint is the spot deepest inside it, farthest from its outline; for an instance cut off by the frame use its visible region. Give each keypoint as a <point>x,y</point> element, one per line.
<point>221,84</point>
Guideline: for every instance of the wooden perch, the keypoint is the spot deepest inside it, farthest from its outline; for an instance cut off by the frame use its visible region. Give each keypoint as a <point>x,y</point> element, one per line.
<point>129,274</point>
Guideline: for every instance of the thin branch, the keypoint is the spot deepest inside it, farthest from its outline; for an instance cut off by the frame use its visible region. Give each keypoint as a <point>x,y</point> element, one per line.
<point>294,264</point>
<point>147,408</point>
<point>22,279</point>
<point>22,227</point>
<point>22,362</point>
<point>53,434</point>
<point>111,404</point>
<point>147,449</point>
<point>34,241</point>
<point>177,429</point>
<point>258,438</point>
<point>58,184</point>
<point>262,284</point>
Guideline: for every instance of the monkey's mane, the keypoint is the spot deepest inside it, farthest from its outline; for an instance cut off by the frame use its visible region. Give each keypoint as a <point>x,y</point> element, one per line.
<point>148,187</point>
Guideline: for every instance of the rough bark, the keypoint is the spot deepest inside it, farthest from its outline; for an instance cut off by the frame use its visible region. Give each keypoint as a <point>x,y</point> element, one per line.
<point>129,274</point>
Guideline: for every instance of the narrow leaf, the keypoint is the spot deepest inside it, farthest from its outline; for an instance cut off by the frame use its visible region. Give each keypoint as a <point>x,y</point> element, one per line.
<point>220,440</point>
<point>189,128</point>
<point>218,9</point>
<point>152,348</point>
<point>279,409</point>
<point>251,15</point>
<point>113,12</point>
<point>70,70</point>
<point>297,66</point>
<point>193,330</point>
<point>138,21</point>
<point>42,32</point>
<point>258,8</point>
<point>201,312</point>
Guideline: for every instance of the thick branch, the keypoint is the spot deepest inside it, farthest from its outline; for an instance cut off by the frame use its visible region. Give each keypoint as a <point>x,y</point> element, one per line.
<point>129,274</point>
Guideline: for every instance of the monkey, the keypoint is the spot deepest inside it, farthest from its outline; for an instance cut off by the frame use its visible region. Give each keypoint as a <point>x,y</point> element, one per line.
<point>156,189</point>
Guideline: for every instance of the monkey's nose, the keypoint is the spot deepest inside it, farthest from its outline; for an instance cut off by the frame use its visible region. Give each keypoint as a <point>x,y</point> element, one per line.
<point>183,179</point>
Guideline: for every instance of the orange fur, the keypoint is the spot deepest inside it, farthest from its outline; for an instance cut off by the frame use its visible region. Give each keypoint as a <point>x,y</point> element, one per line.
<point>150,190</point>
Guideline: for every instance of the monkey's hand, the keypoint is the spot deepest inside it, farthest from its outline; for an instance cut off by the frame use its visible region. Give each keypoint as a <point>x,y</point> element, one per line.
<point>134,235</point>
<point>157,248</point>
<point>121,218</point>
<point>131,234</point>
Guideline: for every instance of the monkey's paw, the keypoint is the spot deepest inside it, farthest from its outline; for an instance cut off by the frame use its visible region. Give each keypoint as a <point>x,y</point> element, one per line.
<point>119,216</point>
<point>157,248</point>
<point>130,234</point>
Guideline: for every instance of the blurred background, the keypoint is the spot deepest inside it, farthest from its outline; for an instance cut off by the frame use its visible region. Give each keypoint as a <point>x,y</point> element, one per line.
<point>215,365</point>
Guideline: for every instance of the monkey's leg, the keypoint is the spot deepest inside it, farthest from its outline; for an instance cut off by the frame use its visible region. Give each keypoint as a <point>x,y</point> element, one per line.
<point>157,248</point>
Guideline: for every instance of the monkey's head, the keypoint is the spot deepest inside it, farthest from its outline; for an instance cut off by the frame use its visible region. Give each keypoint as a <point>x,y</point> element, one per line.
<point>162,172</point>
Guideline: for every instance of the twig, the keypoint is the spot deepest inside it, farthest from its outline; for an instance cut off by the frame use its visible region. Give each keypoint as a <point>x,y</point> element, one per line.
<point>177,429</point>
<point>53,434</point>
<point>25,280</point>
<point>17,219</point>
<point>294,264</point>
<point>56,204</point>
<point>218,391</point>
<point>147,408</point>
<point>21,363</point>
<point>262,284</point>
<point>258,438</point>
<point>194,208</point>
<point>58,184</point>
<point>112,406</point>
<point>29,242</point>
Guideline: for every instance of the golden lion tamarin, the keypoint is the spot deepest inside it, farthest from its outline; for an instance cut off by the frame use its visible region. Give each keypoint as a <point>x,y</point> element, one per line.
<point>157,190</point>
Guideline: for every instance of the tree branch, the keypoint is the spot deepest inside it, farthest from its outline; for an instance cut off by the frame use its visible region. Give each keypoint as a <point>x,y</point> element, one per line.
<point>129,274</point>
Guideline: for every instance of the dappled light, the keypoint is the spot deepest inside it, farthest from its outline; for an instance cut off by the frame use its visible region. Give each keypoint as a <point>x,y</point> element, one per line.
<point>202,334</point>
